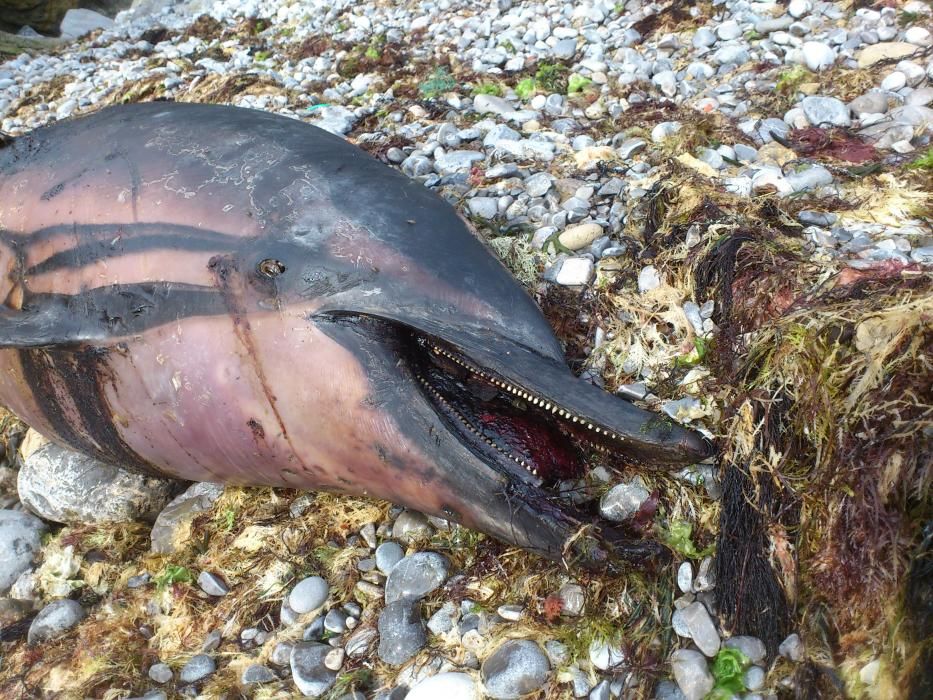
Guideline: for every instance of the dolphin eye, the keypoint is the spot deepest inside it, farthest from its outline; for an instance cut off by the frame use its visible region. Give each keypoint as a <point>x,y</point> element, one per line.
<point>270,267</point>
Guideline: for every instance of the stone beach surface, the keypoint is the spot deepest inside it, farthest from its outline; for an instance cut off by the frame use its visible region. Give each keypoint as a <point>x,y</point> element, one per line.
<point>554,128</point>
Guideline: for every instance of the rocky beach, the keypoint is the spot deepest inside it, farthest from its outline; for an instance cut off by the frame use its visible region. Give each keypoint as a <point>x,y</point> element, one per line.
<point>724,211</point>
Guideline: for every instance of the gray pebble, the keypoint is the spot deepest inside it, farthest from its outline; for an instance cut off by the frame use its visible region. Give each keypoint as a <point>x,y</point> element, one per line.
<point>516,668</point>
<point>54,620</point>
<point>20,540</point>
<point>622,501</point>
<point>212,584</point>
<point>257,673</point>
<point>160,673</point>
<point>212,641</point>
<point>416,575</point>
<point>309,673</point>
<point>411,525</point>
<point>198,667</point>
<point>401,631</point>
<point>309,594</point>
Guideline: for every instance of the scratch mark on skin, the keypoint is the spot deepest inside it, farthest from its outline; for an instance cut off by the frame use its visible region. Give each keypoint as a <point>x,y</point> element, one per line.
<point>224,268</point>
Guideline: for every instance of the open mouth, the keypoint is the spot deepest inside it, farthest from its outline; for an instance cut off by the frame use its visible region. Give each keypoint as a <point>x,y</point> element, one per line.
<point>528,435</point>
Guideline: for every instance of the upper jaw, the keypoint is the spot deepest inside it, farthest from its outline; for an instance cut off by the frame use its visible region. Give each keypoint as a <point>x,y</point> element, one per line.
<point>640,435</point>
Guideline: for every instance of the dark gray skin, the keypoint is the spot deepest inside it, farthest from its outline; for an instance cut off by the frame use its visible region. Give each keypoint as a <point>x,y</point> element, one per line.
<point>214,293</point>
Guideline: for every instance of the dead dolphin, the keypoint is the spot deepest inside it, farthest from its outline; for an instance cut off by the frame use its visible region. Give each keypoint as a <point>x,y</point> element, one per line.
<point>222,294</point>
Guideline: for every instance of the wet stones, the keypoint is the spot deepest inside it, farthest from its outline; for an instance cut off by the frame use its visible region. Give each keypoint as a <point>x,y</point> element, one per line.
<point>198,667</point>
<point>415,576</point>
<point>309,594</point>
<point>173,524</point>
<point>691,673</point>
<point>54,620</point>
<point>20,540</point>
<point>623,501</point>
<point>309,673</point>
<point>66,486</point>
<point>445,686</point>
<point>401,631</point>
<point>516,668</point>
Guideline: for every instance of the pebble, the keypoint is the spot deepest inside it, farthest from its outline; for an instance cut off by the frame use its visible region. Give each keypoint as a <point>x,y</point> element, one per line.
<point>334,659</point>
<point>752,647</point>
<point>692,674</point>
<point>809,179</point>
<point>412,526</point>
<point>648,279</point>
<point>211,641</point>
<point>160,673</point>
<point>873,102</point>
<point>54,620</point>
<point>572,598</point>
<point>173,525</point>
<point>65,486</point>
<point>818,56</point>
<point>416,576</point>
<point>792,648</point>
<point>575,272</point>
<point>309,594</point>
<point>257,673</point>
<point>20,540</point>
<point>664,130</point>
<point>894,81</point>
<point>702,628</point>
<point>754,678</point>
<point>335,621</point>
<point>580,236</point>
<point>199,666</point>
<point>822,111</point>
<point>685,577</point>
<point>623,500</point>
<point>388,554</point>
<point>212,584</point>
<point>483,207</point>
<point>309,673</point>
<point>444,619</point>
<point>359,642</point>
<point>605,656</point>
<point>516,668</point>
<point>445,686</point>
<point>919,35</point>
<point>456,162</point>
<point>601,691</point>
<point>631,147</point>
<point>401,631</point>
<point>884,51</point>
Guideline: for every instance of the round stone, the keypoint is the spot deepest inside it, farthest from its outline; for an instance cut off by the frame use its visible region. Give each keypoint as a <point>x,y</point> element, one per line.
<point>580,236</point>
<point>623,501</point>
<point>257,673</point>
<point>388,554</point>
<point>54,620</point>
<point>415,576</point>
<point>310,594</point>
<point>516,668</point>
<point>160,673</point>
<point>449,686</point>
<point>411,525</point>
